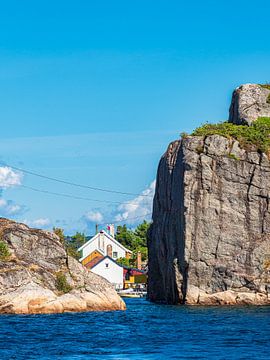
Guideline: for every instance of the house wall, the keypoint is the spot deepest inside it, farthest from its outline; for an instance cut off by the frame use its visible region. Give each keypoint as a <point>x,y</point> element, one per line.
<point>136,279</point>
<point>112,272</point>
<point>100,244</point>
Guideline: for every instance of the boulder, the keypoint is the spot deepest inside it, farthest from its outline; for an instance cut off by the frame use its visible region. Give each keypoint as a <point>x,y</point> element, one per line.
<point>249,102</point>
<point>38,276</point>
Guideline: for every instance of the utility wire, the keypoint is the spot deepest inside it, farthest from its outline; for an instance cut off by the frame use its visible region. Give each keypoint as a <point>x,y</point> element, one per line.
<point>74,184</point>
<point>88,199</point>
<point>76,197</point>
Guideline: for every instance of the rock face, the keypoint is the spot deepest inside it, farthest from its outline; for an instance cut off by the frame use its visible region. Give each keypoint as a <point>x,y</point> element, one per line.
<point>37,276</point>
<point>249,102</point>
<point>210,238</point>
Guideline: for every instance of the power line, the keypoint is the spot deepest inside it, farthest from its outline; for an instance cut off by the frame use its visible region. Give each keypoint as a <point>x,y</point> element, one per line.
<point>88,199</point>
<point>76,197</point>
<point>74,184</point>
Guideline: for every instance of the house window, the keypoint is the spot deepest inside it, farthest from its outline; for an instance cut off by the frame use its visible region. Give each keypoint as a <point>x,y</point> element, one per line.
<point>115,254</point>
<point>107,265</point>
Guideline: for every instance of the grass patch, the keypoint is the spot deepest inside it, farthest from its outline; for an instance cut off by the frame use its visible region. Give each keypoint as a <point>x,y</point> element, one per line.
<point>257,135</point>
<point>233,156</point>
<point>4,251</point>
<point>61,283</point>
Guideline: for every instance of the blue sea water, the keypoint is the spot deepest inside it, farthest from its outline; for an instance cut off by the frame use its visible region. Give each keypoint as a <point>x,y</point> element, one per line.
<point>144,331</point>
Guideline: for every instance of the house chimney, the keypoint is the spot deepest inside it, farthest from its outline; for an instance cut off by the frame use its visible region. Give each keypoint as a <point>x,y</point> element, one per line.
<point>139,260</point>
<point>96,228</point>
<point>111,229</point>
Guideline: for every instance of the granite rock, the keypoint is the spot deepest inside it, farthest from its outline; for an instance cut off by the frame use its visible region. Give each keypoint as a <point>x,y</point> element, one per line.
<point>249,102</point>
<point>210,238</point>
<point>28,276</point>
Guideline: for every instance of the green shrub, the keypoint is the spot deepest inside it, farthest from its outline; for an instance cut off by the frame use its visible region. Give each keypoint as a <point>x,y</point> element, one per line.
<point>257,135</point>
<point>4,251</point>
<point>123,261</point>
<point>62,284</point>
<point>184,135</point>
<point>265,86</point>
<point>268,99</point>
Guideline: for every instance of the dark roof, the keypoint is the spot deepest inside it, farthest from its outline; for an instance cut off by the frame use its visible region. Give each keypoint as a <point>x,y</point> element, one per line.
<point>123,266</point>
<point>106,257</point>
<point>134,269</point>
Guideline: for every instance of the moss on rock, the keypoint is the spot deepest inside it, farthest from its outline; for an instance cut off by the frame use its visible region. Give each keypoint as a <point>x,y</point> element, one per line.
<point>257,135</point>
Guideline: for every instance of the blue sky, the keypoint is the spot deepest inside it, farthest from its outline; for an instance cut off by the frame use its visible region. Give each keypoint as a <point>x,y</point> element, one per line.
<point>93,92</point>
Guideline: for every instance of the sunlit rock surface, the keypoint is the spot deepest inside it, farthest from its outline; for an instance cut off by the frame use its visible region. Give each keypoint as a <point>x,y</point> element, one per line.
<point>210,239</point>
<point>28,276</point>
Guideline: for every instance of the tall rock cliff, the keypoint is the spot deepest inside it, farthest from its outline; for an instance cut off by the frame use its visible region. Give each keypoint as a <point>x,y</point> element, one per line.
<point>37,275</point>
<point>210,238</point>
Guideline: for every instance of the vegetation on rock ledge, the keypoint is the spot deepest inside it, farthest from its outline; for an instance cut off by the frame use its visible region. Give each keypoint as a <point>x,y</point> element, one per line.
<point>265,86</point>
<point>257,135</point>
<point>61,283</point>
<point>4,251</point>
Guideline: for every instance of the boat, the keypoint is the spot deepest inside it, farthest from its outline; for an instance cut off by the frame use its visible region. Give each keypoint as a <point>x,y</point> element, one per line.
<point>132,293</point>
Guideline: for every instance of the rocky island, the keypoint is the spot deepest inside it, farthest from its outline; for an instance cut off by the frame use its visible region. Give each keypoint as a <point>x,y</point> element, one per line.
<point>37,276</point>
<point>209,243</point>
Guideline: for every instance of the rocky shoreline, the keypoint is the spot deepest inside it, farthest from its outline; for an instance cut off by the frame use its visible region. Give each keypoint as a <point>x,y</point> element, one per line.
<point>38,277</point>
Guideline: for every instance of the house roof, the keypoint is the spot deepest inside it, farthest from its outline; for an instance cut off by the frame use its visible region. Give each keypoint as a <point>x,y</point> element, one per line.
<point>109,237</point>
<point>94,261</point>
<point>106,257</point>
<point>134,270</point>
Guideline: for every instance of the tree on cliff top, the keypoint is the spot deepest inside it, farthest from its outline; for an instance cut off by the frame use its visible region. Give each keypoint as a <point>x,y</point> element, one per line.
<point>71,244</point>
<point>135,240</point>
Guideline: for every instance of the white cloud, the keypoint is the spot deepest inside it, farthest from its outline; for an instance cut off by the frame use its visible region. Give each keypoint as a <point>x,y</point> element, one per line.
<point>40,223</point>
<point>139,208</point>
<point>9,178</point>
<point>9,208</point>
<point>94,216</point>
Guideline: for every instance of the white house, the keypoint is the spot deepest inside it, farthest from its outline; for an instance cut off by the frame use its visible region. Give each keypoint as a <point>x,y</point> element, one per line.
<point>103,244</point>
<point>110,270</point>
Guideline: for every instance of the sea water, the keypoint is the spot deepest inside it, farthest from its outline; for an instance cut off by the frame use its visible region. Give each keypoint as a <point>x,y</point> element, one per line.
<point>144,331</point>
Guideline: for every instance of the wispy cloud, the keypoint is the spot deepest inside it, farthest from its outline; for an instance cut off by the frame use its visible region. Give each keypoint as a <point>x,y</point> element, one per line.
<point>137,209</point>
<point>93,216</point>
<point>39,223</point>
<point>9,209</point>
<point>9,178</point>
<point>129,212</point>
